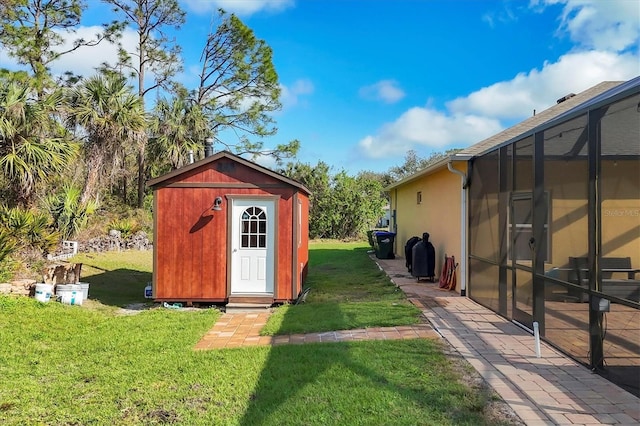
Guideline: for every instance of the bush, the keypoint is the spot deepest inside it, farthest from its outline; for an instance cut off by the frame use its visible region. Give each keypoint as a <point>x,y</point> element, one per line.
<point>7,269</point>
<point>126,227</point>
<point>69,213</point>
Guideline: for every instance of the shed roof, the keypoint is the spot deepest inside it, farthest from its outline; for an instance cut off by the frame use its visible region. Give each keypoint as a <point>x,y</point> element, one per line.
<point>226,154</point>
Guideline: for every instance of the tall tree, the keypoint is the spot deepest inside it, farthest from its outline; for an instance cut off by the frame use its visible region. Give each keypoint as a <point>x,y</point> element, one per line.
<point>156,53</point>
<point>413,163</point>
<point>341,206</point>
<point>34,146</point>
<point>178,128</point>
<point>110,116</point>
<point>33,32</point>
<point>239,88</point>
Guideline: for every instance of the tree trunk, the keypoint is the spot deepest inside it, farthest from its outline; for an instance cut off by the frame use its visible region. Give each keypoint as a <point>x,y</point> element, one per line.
<point>94,168</point>
<point>141,178</point>
<point>124,189</point>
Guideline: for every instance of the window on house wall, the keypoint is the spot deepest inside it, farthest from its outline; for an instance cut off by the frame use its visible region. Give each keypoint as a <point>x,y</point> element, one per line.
<point>419,197</point>
<point>521,231</point>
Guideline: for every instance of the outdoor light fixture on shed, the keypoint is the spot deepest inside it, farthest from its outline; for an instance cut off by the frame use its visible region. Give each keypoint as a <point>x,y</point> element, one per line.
<point>217,203</point>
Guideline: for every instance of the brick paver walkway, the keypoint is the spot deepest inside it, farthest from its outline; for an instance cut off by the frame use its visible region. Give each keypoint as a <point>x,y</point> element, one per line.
<point>243,329</point>
<point>548,390</point>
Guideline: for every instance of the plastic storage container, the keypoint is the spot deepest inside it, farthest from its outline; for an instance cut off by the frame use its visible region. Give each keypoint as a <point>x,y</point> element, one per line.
<point>43,292</point>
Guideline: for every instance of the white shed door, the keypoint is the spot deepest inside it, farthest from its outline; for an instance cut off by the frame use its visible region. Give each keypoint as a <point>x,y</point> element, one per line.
<point>252,250</point>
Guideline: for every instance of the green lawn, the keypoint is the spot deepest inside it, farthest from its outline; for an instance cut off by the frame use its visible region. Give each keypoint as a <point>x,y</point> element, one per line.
<point>79,365</point>
<point>116,278</point>
<point>348,291</point>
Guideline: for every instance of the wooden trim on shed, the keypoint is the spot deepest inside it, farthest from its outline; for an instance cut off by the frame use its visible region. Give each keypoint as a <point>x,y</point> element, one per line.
<point>226,154</point>
<point>276,207</point>
<point>154,280</point>
<point>229,262</point>
<point>295,244</point>
<point>230,185</point>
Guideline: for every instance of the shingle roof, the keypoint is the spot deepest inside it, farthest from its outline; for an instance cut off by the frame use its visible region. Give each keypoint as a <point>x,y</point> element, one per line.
<point>562,109</point>
<point>536,120</point>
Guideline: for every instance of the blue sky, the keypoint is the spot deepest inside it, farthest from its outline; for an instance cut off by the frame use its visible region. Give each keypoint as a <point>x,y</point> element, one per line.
<point>364,81</point>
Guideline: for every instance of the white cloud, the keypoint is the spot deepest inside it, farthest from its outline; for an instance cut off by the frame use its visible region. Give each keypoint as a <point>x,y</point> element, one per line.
<point>502,15</point>
<point>84,60</point>
<point>425,126</point>
<point>539,89</point>
<point>268,161</point>
<point>598,24</point>
<point>239,7</point>
<point>290,96</point>
<point>387,91</point>
<point>472,118</point>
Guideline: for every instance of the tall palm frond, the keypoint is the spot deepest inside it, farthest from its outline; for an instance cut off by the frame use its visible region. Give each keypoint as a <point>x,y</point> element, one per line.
<point>34,146</point>
<point>178,127</point>
<point>26,229</point>
<point>113,121</point>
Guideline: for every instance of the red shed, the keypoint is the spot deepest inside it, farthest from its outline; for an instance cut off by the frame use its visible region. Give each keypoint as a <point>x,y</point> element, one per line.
<point>228,230</point>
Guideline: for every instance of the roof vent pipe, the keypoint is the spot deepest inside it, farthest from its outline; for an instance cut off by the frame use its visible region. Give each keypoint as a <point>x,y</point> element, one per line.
<point>564,98</point>
<point>191,156</point>
<point>208,147</point>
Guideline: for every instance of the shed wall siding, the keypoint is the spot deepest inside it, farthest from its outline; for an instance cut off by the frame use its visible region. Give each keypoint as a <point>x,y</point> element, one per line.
<point>192,243</point>
<point>191,240</point>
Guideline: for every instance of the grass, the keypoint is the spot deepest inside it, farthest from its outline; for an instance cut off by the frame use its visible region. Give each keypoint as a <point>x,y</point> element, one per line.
<point>64,365</point>
<point>116,278</point>
<point>348,291</point>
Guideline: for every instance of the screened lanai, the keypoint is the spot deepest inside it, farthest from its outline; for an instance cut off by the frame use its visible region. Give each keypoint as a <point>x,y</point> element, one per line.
<point>554,232</point>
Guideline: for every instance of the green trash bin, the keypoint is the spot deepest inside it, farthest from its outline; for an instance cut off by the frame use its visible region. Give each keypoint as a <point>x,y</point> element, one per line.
<point>384,244</point>
<point>370,238</point>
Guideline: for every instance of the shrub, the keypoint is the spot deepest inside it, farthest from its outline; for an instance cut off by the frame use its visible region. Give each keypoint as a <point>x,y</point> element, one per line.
<point>70,214</point>
<point>127,227</point>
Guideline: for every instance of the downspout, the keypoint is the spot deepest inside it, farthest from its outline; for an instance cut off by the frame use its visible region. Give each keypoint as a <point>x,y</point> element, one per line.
<point>393,198</point>
<point>463,229</point>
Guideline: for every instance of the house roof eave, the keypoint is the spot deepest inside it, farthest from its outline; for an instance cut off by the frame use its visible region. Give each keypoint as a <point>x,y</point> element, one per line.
<point>427,170</point>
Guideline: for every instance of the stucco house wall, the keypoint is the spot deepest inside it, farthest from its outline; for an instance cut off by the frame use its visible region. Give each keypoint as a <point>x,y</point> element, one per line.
<point>437,210</point>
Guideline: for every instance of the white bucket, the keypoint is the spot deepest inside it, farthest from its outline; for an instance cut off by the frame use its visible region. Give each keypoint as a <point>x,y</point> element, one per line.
<point>85,290</point>
<point>43,292</point>
<point>69,294</point>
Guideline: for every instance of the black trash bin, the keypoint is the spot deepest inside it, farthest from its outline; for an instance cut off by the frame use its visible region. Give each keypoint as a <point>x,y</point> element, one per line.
<point>384,244</point>
<point>423,259</point>
<point>408,251</point>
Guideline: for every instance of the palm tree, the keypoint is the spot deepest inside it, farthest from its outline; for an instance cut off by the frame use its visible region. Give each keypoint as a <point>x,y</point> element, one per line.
<point>178,126</point>
<point>111,119</point>
<point>68,213</point>
<point>34,146</point>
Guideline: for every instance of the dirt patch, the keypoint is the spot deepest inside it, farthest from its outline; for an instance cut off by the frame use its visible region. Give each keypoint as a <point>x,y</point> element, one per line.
<point>136,308</point>
<point>163,416</point>
<point>496,411</point>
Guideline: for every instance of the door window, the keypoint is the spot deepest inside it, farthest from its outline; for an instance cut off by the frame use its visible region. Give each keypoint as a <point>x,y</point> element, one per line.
<point>253,228</point>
